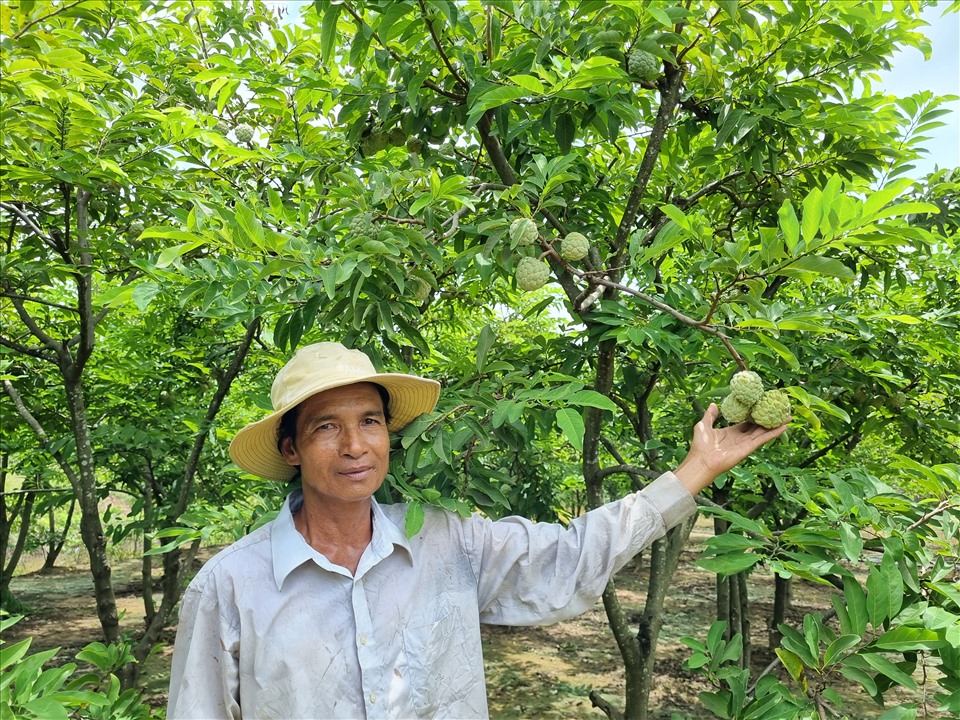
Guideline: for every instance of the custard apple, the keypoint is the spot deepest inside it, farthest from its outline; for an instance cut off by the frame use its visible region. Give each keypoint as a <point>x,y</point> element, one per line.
<point>397,137</point>
<point>747,387</point>
<point>244,133</point>
<point>361,225</point>
<point>532,273</point>
<point>523,231</point>
<point>574,246</point>
<point>643,64</point>
<point>134,229</point>
<point>419,288</point>
<point>772,409</point>
<point>414,144</point>
<point>733,410</point>
<point>222,127</point>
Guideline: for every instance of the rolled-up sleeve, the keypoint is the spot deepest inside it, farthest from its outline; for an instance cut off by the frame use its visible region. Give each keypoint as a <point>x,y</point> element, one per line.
<point>540,573</point>
<point>204,678</point>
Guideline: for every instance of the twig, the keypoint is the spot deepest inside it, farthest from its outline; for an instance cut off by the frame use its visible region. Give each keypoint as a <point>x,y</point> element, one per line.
<point>44,17</point>
<point>945,505</point>
<point>443,56</point>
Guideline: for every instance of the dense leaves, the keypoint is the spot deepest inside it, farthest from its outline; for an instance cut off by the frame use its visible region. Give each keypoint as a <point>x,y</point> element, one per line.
<point>183,181</point>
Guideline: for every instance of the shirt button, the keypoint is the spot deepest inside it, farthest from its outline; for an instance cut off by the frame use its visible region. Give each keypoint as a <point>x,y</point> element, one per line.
<point>373,697</point>
<point>363,641</point>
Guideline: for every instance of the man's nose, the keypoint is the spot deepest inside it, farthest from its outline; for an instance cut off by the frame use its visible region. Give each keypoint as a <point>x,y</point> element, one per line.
<point>351,442</point>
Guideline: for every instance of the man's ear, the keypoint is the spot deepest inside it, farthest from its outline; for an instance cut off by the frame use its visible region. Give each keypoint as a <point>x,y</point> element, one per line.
<point>289,451</point>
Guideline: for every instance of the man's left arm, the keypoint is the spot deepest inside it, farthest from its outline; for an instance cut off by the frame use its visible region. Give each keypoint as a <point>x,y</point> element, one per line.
<point>532,573</point>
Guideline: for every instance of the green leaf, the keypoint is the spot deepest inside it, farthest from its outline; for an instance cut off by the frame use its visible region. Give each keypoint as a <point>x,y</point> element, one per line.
<point>885,667</point>
<point>791,662</point>
<point>841,644</point>
<point>812,214</point>
<point>413,520</point>
<point>494,98</point>
<point>528,82</point>
<point>856,602</point>
<point>565,131</point>
<point>592,398</point>
<point>818,265</point>
<point>571,423</point>
<point>901,712</point>
<point>910,638</point>
<point>859,676</point>
<point>328,31</point>
<point>729,564</point>
<point>789,225</point>
<point>851,542</point>
<point>487,337</point>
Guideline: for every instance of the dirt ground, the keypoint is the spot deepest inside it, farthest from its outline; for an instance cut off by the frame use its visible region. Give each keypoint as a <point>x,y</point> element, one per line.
<point>544,672</point>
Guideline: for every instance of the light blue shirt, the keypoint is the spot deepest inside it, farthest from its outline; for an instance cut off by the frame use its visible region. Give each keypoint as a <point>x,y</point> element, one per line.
<point>270,628</point>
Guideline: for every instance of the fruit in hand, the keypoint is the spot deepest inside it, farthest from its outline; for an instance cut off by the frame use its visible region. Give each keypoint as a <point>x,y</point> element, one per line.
<point>531,273</point>
<point>523,231</point>
<point>574,246</point>
<point>747,387</point>
<point>748,401</point>
<point>733,410</point>
<point>771,410</point>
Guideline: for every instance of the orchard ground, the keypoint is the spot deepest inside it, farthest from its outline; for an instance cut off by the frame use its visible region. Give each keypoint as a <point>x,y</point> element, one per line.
<point>539,672</point>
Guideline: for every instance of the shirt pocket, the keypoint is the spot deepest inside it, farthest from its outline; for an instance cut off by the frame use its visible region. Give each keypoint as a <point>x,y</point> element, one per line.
<point>433,663</point>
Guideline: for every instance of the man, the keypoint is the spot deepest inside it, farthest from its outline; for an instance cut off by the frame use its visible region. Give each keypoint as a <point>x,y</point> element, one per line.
<point>330,611</point>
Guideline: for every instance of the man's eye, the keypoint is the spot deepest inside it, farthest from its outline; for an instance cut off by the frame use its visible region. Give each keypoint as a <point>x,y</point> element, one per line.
<point>371,421</point>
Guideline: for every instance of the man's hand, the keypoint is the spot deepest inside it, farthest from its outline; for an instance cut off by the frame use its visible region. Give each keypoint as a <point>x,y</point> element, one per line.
<point>713,451</point>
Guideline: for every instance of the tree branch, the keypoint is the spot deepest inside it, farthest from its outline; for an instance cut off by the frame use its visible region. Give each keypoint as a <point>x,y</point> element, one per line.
<point>41,434</point>
<point>443,56</point>
<point>44,238</point>
<point>27,319</point>
<point>668,103</point>
<point>46,17</point>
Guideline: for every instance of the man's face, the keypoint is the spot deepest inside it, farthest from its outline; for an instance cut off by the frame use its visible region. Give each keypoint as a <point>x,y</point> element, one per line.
<point>342,444</point>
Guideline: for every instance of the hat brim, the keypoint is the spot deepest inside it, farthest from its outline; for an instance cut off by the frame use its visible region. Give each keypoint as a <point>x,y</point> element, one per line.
<point>254,448</point>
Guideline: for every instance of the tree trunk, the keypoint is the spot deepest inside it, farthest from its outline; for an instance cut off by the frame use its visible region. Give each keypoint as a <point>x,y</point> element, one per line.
<point>55,547</point>
<point>91,527</point>
<point>745,624</point>
<point>662,569</point>
<point>782,592</point>
<point>24,509</point>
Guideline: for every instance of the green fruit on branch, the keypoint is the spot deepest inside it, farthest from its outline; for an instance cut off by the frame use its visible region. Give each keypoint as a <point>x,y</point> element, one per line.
<point>532,274</point>
<point>397,137</point>
<point>733,410</point>
<point>420,289</point>
<point>244,133</point>
<point>574,246</point>
<point>523,231</point>
<point>414,144</point>
<point>361,225</point>
<point>222,127</point>
<point>643,64</point>
<point>134,229</point>
<point>771,410</point>
<point>747,387</point>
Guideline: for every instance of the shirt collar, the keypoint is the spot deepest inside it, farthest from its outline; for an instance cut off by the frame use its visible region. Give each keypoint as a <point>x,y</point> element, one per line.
<point>290,550</point>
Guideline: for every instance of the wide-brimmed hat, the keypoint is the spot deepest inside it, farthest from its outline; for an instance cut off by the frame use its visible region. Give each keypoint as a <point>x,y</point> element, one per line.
<point>313,369</point>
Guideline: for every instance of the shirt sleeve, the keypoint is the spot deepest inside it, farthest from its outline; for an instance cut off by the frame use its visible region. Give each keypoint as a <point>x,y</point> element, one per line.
<point>204,677</point>
<point>540,573</point>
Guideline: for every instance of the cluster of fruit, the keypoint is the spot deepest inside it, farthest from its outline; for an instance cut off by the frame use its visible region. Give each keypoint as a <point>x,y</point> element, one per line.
<point>532,273</point>
<point>748,400</point>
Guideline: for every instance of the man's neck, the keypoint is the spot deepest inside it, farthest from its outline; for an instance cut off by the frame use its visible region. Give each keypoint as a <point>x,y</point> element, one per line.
<point>340,534</point>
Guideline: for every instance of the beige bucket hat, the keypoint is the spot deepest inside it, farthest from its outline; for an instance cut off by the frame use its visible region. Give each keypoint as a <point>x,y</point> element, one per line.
<point>313,369</point>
